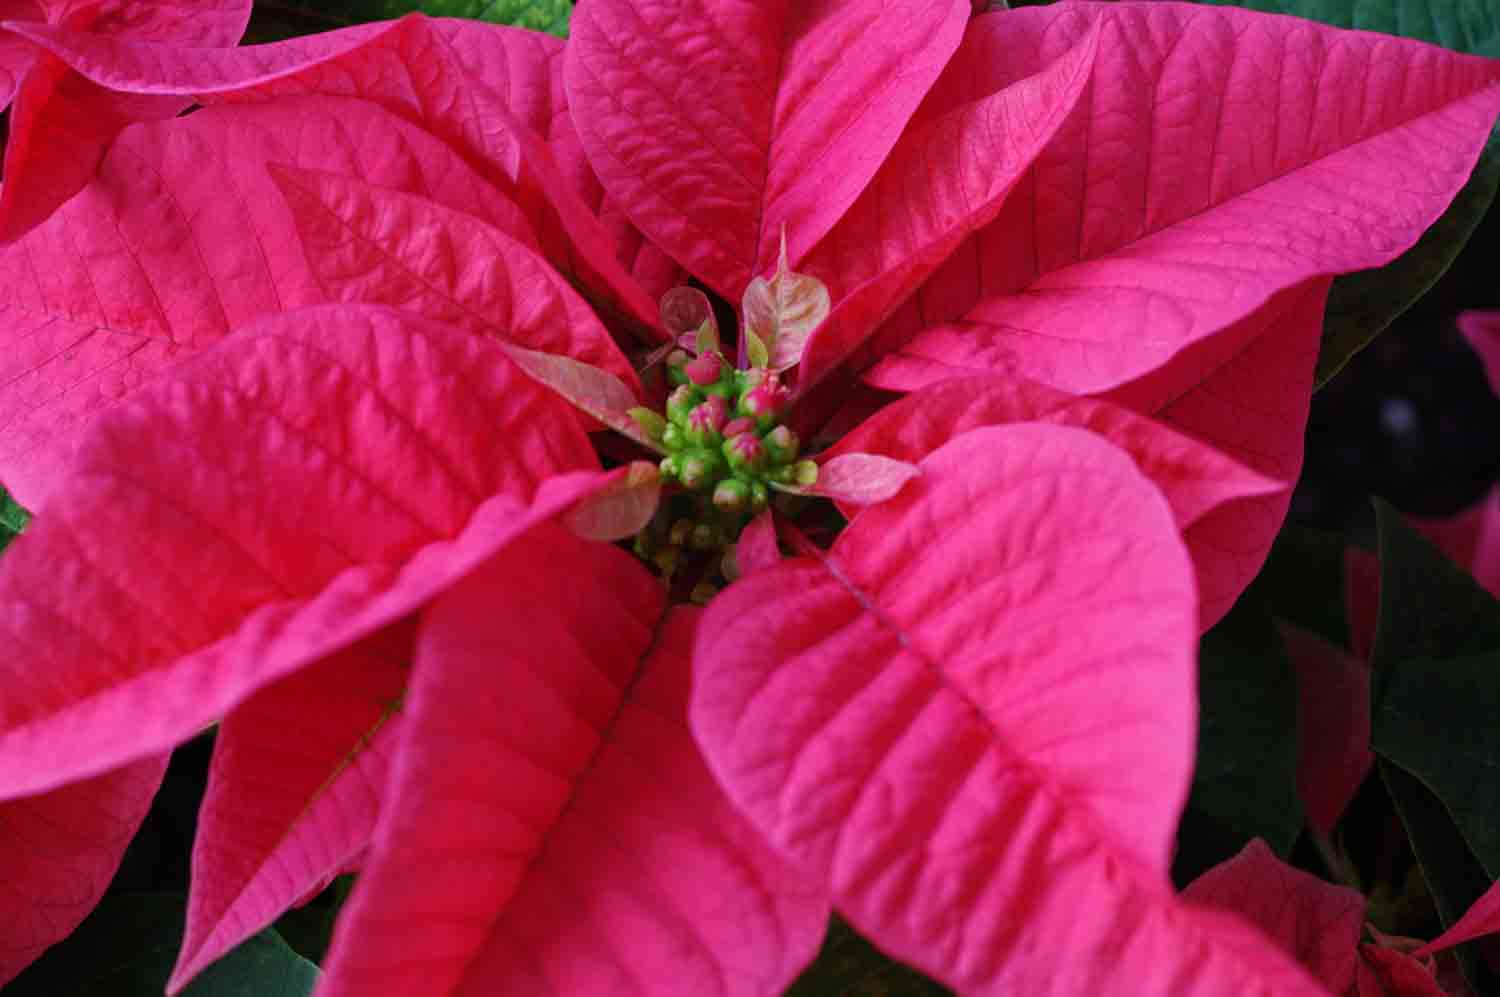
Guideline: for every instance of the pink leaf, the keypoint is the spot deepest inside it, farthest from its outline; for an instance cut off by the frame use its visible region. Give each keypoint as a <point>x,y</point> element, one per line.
<point>242,476</point>
<point>1482,330</point>
<point>1386,972</point>
<point>1482,918</point>
<point>621,508</point>
<point>60,126</point>
<point>293,792</point>
<point>181,237</point>
<point>552,828</point>
<point>1149,224</point>
<point>757,548</point>
<point>1471,539</point>
<point>945,179</point>
<point>783,311</point>
<point>218,23</point>
<point>1196,479</point>
<point>1316,923</point>
<point>806,101</point>
<point>378,246</point>
<point>1334,754</point>
<point>861,478</point>
<point>941,716</point>
<point>60,851</point>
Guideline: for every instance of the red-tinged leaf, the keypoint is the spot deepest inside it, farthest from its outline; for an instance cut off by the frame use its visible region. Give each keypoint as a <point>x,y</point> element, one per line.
<point>757,547</point>
<point>596,392</point>
<point>1482,918</point>
<point>60,126</point>
<point>1361,599</point>
<point>860,478</point>
<point>783,310</point>
<point>1151,222</point>
<point>552,827</point>
<point>945,179</point>
<point>686,310</point>
<point>1195,478</point>
<point>1314,922</point>
<point>1482,330</point>
<point>1386,972</point>
<point>181,237</point>
<point>366,244</point>
<point>986,707</point>
<point>1334,728</point>
<point>307,482</point>
<point>60,850</point>
<point>621,508</point>
<point>804,101</point>
<point>295,785</point>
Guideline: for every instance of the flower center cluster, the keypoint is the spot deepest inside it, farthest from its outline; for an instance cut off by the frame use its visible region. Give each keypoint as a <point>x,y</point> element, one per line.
<point>725,448</point>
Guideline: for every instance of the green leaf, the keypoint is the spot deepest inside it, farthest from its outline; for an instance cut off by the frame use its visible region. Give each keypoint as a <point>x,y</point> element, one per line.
<point>1430,608</point>
<point>1245,782</point>
<point>13,518</point>
<point>1454,876</point>
<point>127,946</point>
<point>1362,305</point>
<point>850,966</point>
<point>1303,582</point>
<point>280,19</point>
<point>1437,721</point>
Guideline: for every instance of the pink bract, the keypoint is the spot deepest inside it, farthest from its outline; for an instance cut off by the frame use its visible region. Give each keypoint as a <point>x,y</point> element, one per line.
<point>60,121</point>
<point>969,722</point>
<point>1320,925</point>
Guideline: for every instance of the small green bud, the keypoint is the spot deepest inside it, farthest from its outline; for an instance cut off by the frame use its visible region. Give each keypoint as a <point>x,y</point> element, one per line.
<point>674,437</point>
<point>782,444</point>
<point>671,468</point>
<point>805,473</point>
<point>681,401</point>
<point>759,497</point>
<point>699,468</point>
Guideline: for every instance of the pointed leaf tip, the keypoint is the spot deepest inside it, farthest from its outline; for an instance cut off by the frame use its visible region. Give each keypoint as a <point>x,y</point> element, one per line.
<point>588,388</point>
<point>621,508</point>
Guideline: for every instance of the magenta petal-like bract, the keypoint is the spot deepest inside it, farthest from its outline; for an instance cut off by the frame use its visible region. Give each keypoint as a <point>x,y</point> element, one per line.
<point>218,506</point>
<point>182,237</point>
<point>552,829</point>
<point>945,179</point>
<point>293,794</point>
<point>1197,479</point>
<point>808,97</point>
<point>970,714</point>
<point>1315,922</point>
<point>60,850</point>
<point>1219,156</point>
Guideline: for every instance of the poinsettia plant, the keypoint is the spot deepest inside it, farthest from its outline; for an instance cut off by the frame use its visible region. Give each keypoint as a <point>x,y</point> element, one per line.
<point>627,498</point>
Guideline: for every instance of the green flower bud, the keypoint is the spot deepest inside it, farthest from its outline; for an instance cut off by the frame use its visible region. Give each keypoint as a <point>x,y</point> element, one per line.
<point>732,495</point>
<point>782,444</point>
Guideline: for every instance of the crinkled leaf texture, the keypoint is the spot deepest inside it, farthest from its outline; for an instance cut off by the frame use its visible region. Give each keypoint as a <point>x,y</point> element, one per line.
<point>61,848</point>
<point>181,237</point>
<point>1197,480</point>
<point>807,99</point>
<point>301,487</point>
<point>61,122</point>
<point>552,828</point>
<point>974,718</point>
<point>1135,255</point>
